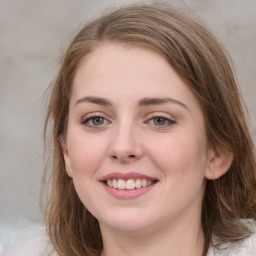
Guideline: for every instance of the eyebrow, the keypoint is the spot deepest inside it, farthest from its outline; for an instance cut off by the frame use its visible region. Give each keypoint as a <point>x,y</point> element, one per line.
<point>95,100</point>
<point>160,101</point>
<point>143,102</point>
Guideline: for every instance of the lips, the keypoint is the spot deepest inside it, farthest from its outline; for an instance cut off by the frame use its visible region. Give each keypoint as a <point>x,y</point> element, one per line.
<point>128,185</point>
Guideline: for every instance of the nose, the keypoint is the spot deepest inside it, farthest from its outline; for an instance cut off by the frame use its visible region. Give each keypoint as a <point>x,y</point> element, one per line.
<point>126,145</point>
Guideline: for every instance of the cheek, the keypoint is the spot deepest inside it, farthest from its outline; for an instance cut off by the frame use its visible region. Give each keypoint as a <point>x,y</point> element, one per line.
<point>86,153</point>
<point>182,161</point>
<point>182,156</point>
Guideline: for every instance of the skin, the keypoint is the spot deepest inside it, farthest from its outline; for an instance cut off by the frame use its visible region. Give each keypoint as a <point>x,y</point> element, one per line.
<point>129,137</point>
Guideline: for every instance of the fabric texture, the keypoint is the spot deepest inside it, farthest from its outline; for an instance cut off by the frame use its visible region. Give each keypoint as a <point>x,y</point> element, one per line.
<point>35,242</point>
<point>245,248</point>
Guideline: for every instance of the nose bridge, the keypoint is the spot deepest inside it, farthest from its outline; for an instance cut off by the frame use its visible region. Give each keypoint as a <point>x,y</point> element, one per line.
<point>126,144</point>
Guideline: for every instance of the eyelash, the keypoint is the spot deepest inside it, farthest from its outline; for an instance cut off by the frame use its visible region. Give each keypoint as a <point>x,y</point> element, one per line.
<point>86,121</point>
<point>168,121</point>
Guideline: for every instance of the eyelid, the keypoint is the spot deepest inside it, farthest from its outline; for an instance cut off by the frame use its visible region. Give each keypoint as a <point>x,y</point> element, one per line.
<point>161,114</point>
<point>89,116</point>
<point>171,120</point>
<point>95,114</point>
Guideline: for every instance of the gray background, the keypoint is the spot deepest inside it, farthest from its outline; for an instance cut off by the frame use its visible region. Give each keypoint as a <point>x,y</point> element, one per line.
<point>33,34</point>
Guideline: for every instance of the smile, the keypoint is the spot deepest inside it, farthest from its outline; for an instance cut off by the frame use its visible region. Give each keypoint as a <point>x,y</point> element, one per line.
<point>128,184</point>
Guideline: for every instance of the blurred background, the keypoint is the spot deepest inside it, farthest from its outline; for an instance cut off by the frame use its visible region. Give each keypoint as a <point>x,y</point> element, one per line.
<point>33,35</point>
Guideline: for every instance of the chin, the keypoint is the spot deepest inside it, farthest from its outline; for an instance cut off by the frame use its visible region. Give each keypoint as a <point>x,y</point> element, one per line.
<point>127,223</point>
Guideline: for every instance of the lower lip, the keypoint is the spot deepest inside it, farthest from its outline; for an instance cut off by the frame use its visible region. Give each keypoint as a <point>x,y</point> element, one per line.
<point>127,193</point>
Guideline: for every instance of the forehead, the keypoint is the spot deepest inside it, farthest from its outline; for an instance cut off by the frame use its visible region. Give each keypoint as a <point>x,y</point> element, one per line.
<point>116,64</point>
<point>113,56</point>
<point>126,75</point>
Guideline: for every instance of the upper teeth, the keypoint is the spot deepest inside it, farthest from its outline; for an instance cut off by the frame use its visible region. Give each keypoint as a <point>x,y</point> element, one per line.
<point>128,184</point>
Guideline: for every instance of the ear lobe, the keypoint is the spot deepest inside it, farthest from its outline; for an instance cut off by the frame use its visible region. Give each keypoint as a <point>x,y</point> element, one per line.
<point>66,157</point>
<point>220,160</point>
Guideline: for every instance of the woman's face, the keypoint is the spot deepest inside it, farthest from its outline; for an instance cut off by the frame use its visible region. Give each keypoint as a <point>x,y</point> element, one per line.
<point>136,142</point>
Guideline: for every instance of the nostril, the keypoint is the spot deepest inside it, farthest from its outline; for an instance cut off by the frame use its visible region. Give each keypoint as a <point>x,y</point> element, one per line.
<point>120,157</point>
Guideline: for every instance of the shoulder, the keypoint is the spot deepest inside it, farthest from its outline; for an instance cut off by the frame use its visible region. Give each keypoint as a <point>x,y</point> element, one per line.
<point>245,248</point>
<point>33,242</point>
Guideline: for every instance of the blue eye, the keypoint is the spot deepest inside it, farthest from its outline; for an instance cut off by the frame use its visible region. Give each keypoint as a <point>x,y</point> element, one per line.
<point>94,121</point>
<point>161,121</point>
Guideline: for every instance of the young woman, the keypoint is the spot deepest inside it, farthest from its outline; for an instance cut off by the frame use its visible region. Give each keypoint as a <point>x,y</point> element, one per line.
<point>152,153</point>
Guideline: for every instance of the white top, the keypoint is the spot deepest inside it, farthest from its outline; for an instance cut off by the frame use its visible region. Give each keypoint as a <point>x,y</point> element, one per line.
<point>36,243</point>
<point>246,248</point>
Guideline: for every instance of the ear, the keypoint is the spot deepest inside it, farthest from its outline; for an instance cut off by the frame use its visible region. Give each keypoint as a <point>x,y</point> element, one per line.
<point>66,156</point>
<point>219,162</point>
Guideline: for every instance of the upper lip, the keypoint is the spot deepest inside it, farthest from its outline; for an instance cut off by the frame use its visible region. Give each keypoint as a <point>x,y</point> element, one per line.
<point>126,176</point>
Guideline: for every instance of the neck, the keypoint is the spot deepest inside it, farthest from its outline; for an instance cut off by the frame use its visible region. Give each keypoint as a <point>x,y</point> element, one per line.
<point>175,239</point>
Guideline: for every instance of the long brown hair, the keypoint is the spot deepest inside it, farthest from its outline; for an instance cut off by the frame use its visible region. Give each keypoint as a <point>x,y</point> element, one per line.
<point>203,65</point>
